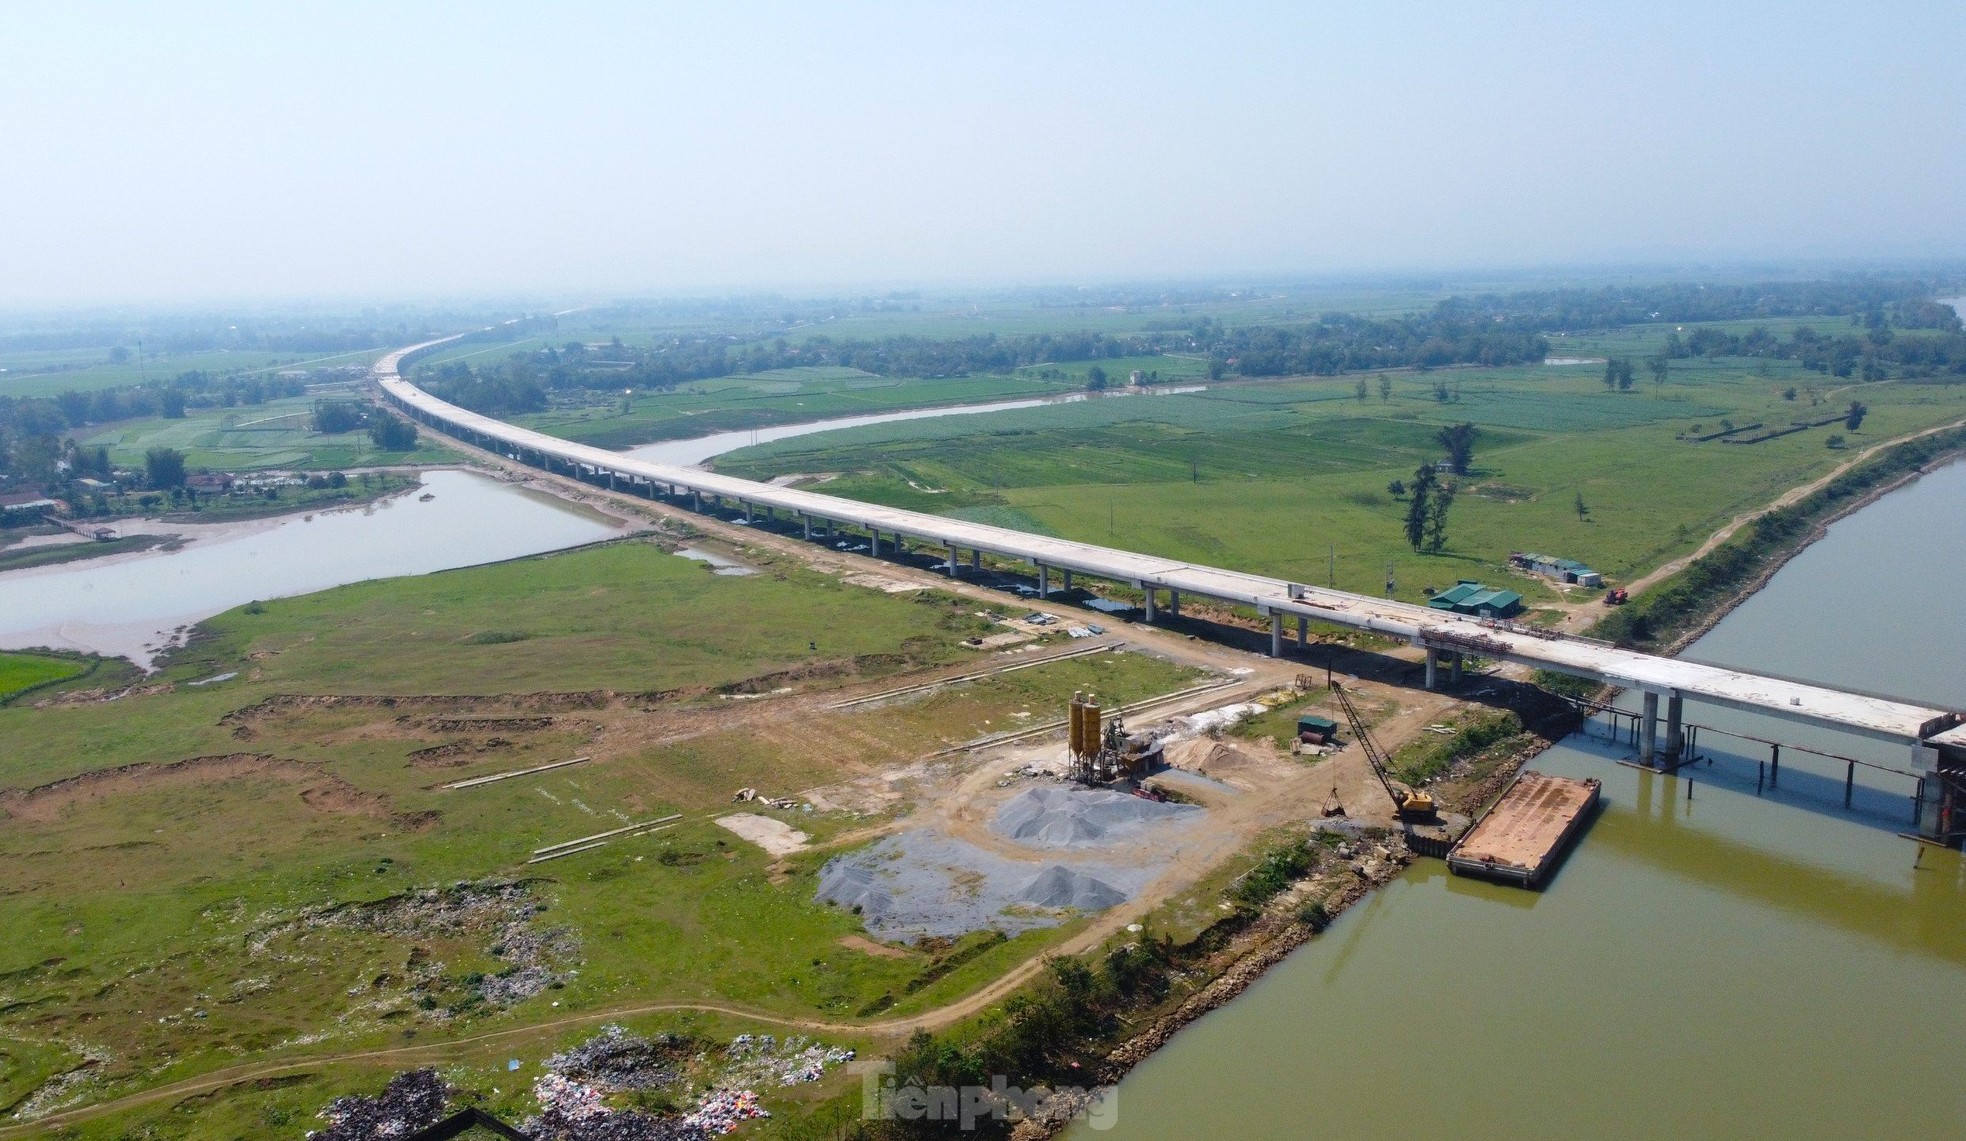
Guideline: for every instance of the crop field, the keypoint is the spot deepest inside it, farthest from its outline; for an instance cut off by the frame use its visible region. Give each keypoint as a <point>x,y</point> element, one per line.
<point>49,373</point>
<point>25,671</point>
<point>782,396</point>
<point>1278,477</point>
<point>273,435</point>
<point>271,860</point>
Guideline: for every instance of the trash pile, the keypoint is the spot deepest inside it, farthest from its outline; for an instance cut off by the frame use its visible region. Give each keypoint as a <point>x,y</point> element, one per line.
<point>411,1101</point>
<point>760,1059</point>
<point>617,1060</point>
<point>722,1111</point>
<point>574,1111</point>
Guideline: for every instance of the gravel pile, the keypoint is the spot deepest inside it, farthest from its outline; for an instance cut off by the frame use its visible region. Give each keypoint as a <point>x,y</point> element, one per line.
<point>410,1102</point>
<point>1059,886</point>
<point>1075,818</point>
<point>924,884</point>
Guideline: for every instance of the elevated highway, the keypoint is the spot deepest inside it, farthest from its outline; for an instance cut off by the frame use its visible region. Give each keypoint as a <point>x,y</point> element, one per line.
<point>1445,636</point>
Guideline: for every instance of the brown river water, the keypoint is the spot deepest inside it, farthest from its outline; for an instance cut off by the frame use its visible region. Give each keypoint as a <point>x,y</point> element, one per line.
<point>1742,965</point>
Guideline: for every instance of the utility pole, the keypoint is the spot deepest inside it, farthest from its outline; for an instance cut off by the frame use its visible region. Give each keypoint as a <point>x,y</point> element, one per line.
<point>1332,580</point>
<point>1389,578</point>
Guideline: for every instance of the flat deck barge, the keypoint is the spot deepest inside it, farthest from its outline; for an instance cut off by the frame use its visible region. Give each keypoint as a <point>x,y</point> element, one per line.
<point>1523,837</point>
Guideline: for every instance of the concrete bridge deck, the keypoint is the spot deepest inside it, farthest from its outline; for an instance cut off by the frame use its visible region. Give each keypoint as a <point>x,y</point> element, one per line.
<point>1446,636</point>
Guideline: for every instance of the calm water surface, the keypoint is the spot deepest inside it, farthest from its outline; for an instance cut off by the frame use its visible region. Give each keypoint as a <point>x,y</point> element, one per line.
<point>126,605</point>
<point>1740,966</point>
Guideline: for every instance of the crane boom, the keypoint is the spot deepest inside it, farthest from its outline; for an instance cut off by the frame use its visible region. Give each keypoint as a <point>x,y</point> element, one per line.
<point>1410,803</point>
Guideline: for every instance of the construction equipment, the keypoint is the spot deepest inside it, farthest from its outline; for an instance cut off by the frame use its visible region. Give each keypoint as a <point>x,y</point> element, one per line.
<point>1408,803</point>
<point>1616,596</point>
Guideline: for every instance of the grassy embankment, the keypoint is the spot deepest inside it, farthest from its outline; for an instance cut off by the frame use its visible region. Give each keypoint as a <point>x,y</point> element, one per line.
<point>22,672</point>
<point>153,910</point>
<point>1270,477</point>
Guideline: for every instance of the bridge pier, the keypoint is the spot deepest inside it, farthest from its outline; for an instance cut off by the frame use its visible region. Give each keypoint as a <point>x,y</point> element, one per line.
<point>1648,730</point>
<point>1303,632</point>
<point>1067,588</point>
<point>1433,669</point>
<point>1454,671</point>
<point>952,560</point>
<point>1276,633</point>
<point>975,560</point>
<point>1044,581</point>
<point>1173,603</point>
<point>1675,726</point>
<point>1150,605</point>
<point>807,520</point>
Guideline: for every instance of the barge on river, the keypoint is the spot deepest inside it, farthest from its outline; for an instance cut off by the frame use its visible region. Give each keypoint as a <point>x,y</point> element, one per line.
<point>1522,839</point>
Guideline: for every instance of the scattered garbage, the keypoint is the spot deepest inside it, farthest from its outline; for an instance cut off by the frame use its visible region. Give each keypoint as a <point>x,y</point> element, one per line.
<point>722,1111</point>
<point>616,1060</point>
<point>411,1101</point>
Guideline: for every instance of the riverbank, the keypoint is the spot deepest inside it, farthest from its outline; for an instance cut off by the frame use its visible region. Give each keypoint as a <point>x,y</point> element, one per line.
<point>1690,602</point>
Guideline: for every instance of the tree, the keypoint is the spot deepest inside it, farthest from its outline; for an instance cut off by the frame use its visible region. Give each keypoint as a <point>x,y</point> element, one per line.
<point>392,434</point>
<point>1396,488</point>
<point>1854,419</point>
<point>1437,516</point>
<point>164,467</point>
<point>1788,393</point>
<point>1416,509</point>
<point>1459,440</point>
<point>1618,374</point>
<point>1833,442</point>
<point>335,416</point>
<point>1360,389</point>
<point>1659,366</point>
<point>1095,379</point>
<point>1385,388</point>
<point>1583,509</point>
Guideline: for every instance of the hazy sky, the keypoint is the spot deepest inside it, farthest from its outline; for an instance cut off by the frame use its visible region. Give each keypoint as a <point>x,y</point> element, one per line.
<point>200,151</point>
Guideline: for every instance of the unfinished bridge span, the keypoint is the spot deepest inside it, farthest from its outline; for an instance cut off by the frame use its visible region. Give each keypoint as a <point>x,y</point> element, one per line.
<point>1935,737</point>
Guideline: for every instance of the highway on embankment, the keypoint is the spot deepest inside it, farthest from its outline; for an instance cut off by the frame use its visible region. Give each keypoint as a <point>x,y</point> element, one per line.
<point>1440,633</point>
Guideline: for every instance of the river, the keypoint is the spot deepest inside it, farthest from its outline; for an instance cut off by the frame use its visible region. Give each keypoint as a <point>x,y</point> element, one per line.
<point>129,605</point>
<point>1739,965</point>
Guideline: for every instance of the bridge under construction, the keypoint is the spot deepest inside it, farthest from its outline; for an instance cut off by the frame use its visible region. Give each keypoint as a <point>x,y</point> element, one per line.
<point>1936,738</point>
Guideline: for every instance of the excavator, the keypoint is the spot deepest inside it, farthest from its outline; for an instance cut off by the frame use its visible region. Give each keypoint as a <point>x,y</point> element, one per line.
<point>1408,803</point>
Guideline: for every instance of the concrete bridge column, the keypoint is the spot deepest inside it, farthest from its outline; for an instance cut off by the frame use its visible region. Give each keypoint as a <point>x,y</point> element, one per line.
<point>1276,633</point>
<point>1433,668</point>
<point>610,481</point>
<point>1648,730</point>
<point>748,517</point>
<point>975,560</point>
<point>696,499</point>
<point>1067,588</point>
<point>1303,632</point>
<point>807,520</point>
<point>1454,671</point>
<point>1173,603</point>
<point>952,561</point>
<point>1150,604</point>
<point>1044,581</point>
<point>1675,727</point>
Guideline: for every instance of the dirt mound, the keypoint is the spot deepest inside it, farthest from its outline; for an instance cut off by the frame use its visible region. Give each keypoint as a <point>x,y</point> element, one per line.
<point>322,792</point>
<point>1069,818</point>
<point>451,754</point>
<point>1061,887</point>
<point>488,724</point>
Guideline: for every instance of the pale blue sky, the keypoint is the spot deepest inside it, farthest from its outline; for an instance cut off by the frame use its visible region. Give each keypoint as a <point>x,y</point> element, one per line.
<point>201,151</point>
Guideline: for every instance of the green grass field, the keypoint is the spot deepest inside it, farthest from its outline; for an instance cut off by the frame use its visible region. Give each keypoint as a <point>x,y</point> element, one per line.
<point>1271,477</point>
<point>151,912</point>
<point>276,435</point>
<point>19,672</point>
<point>52,372</point>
